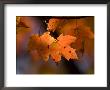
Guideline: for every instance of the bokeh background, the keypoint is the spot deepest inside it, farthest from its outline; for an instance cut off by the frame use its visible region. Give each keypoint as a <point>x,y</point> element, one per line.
<point>81,27</point>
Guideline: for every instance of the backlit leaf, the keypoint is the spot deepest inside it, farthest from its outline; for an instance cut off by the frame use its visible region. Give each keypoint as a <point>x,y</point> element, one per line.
<point>45,45</point>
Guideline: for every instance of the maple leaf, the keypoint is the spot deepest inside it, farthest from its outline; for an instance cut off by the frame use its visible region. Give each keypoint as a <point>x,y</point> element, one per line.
<point>45,46</point>
<point>64,43</point>
<point>62,47</point>
<point>84,33</point>
<point>53,23</point>
<point>34,42</point>
<point>87,32</point>
<point>22,34</point>
<point>22,30</point>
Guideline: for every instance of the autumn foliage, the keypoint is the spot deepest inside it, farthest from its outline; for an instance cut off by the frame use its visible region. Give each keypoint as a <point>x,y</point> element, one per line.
<point>41,47</point>
<point>45,46</point>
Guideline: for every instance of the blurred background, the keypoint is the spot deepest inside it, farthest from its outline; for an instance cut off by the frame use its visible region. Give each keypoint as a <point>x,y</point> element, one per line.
<point>82,27</point>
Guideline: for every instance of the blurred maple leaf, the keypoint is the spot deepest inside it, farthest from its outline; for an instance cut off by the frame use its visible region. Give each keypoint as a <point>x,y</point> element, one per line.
<point>41,44</point>
<point>55,24</point>
<point>22,33</point>
<point>52,25</point>
<point>17,20</point>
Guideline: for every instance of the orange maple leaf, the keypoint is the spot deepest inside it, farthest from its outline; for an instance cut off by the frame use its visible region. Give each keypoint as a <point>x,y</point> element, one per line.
<point>62,47</point>
<point>45,45</point>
